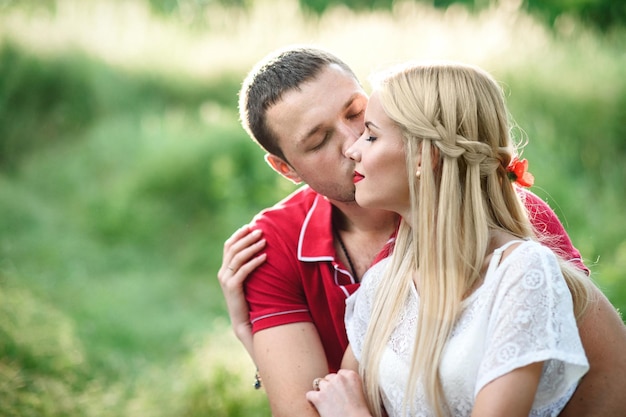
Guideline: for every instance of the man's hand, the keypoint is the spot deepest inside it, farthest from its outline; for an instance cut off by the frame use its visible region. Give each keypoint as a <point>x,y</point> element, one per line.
<point>241,257</point>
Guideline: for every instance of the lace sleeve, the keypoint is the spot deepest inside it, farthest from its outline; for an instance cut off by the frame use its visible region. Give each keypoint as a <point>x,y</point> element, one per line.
<point>359,308</point>
<point>533,321</point>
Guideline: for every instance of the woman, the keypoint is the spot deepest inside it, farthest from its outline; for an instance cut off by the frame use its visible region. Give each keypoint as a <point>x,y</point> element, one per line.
<point>470,315</point>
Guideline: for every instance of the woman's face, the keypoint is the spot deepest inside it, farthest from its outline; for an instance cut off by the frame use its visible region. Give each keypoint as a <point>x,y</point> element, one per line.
<point>380,175</point>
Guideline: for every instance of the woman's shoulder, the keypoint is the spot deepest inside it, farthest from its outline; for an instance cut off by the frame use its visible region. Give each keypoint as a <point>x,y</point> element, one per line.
<point>525,262</point>
<point>372,276</point>
<point>525,251</point>
<point>370,281</point>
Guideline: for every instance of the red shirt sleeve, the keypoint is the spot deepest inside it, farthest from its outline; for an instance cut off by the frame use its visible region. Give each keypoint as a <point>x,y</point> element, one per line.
<point>549,229</point>
<point>274,290</point>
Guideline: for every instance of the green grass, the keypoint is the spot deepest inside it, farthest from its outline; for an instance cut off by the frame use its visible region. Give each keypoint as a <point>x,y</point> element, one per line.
<point>577,147</point>
<point>121,176</point>
<point>110,236</point>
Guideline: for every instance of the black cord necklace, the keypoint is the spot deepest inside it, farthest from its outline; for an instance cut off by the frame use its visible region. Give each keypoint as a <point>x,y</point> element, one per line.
<point>345,252</point>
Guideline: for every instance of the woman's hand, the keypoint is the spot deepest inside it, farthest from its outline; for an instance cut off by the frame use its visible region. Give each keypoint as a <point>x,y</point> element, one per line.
<point>241,257</point>
<point>339,394</point>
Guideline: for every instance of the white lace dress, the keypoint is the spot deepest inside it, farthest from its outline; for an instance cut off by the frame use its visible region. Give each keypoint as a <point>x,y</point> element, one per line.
<point>521,314</point>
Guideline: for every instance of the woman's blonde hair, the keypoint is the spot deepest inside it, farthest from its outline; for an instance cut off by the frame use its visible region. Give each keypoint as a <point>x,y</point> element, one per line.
<point>455,123</point>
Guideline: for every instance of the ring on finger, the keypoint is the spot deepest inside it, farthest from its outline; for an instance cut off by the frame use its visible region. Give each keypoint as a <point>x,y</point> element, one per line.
<point>316,383</point>
<point>231,268</point>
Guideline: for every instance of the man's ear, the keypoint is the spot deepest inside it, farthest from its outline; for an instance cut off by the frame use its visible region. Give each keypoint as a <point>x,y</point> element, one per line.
<point>281,166</point>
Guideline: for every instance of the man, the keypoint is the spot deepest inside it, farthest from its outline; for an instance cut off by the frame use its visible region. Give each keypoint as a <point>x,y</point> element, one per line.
<point>305,108</point>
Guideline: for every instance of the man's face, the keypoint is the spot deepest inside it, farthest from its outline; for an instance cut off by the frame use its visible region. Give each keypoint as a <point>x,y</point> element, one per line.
<point>315,125</point>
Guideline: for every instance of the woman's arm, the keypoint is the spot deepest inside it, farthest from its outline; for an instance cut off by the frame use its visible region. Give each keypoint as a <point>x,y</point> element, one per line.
<point>510,395</point>
<point>241,257</point>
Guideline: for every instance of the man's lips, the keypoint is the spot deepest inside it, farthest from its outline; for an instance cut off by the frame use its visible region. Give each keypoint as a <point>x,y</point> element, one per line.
<point>357,177</point>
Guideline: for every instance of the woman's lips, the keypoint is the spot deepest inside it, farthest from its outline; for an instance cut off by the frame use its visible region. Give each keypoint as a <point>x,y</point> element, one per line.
<point>357,177</point>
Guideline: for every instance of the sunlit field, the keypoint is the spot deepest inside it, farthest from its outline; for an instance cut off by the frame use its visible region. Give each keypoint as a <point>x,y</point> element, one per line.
<point>123,169</point>
<point>128,35</point>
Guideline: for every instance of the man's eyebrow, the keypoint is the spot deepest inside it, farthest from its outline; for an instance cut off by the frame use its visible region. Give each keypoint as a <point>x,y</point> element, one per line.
<point>319,127</point>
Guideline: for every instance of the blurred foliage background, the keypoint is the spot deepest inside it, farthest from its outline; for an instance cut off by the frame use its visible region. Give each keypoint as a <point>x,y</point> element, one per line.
<point>123,169</point>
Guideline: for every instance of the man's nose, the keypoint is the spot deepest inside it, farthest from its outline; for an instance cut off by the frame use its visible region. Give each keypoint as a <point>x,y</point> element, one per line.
<point>351,132</point>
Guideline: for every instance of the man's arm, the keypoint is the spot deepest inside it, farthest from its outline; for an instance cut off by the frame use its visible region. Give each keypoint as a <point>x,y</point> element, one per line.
<point>289,358</point>
<point>341,394</point>
<point>602,391</point>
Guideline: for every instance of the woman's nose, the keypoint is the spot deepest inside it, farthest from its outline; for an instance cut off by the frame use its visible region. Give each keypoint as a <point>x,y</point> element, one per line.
<point>353,152</point>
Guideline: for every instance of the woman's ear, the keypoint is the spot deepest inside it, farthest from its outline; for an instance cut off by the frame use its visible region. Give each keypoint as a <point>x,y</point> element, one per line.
<point>281,166</point>
<point>418,170</point>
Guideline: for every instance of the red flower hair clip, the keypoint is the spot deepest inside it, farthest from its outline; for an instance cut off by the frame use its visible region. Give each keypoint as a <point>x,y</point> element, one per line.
<point>518,173</point>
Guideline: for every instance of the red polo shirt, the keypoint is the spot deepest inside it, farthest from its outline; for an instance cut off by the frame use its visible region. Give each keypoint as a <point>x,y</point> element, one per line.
<point>303,281</point>
<point>549,228</point>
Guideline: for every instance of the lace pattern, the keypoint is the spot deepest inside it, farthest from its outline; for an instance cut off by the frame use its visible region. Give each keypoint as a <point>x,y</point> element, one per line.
<point>521,314</point>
